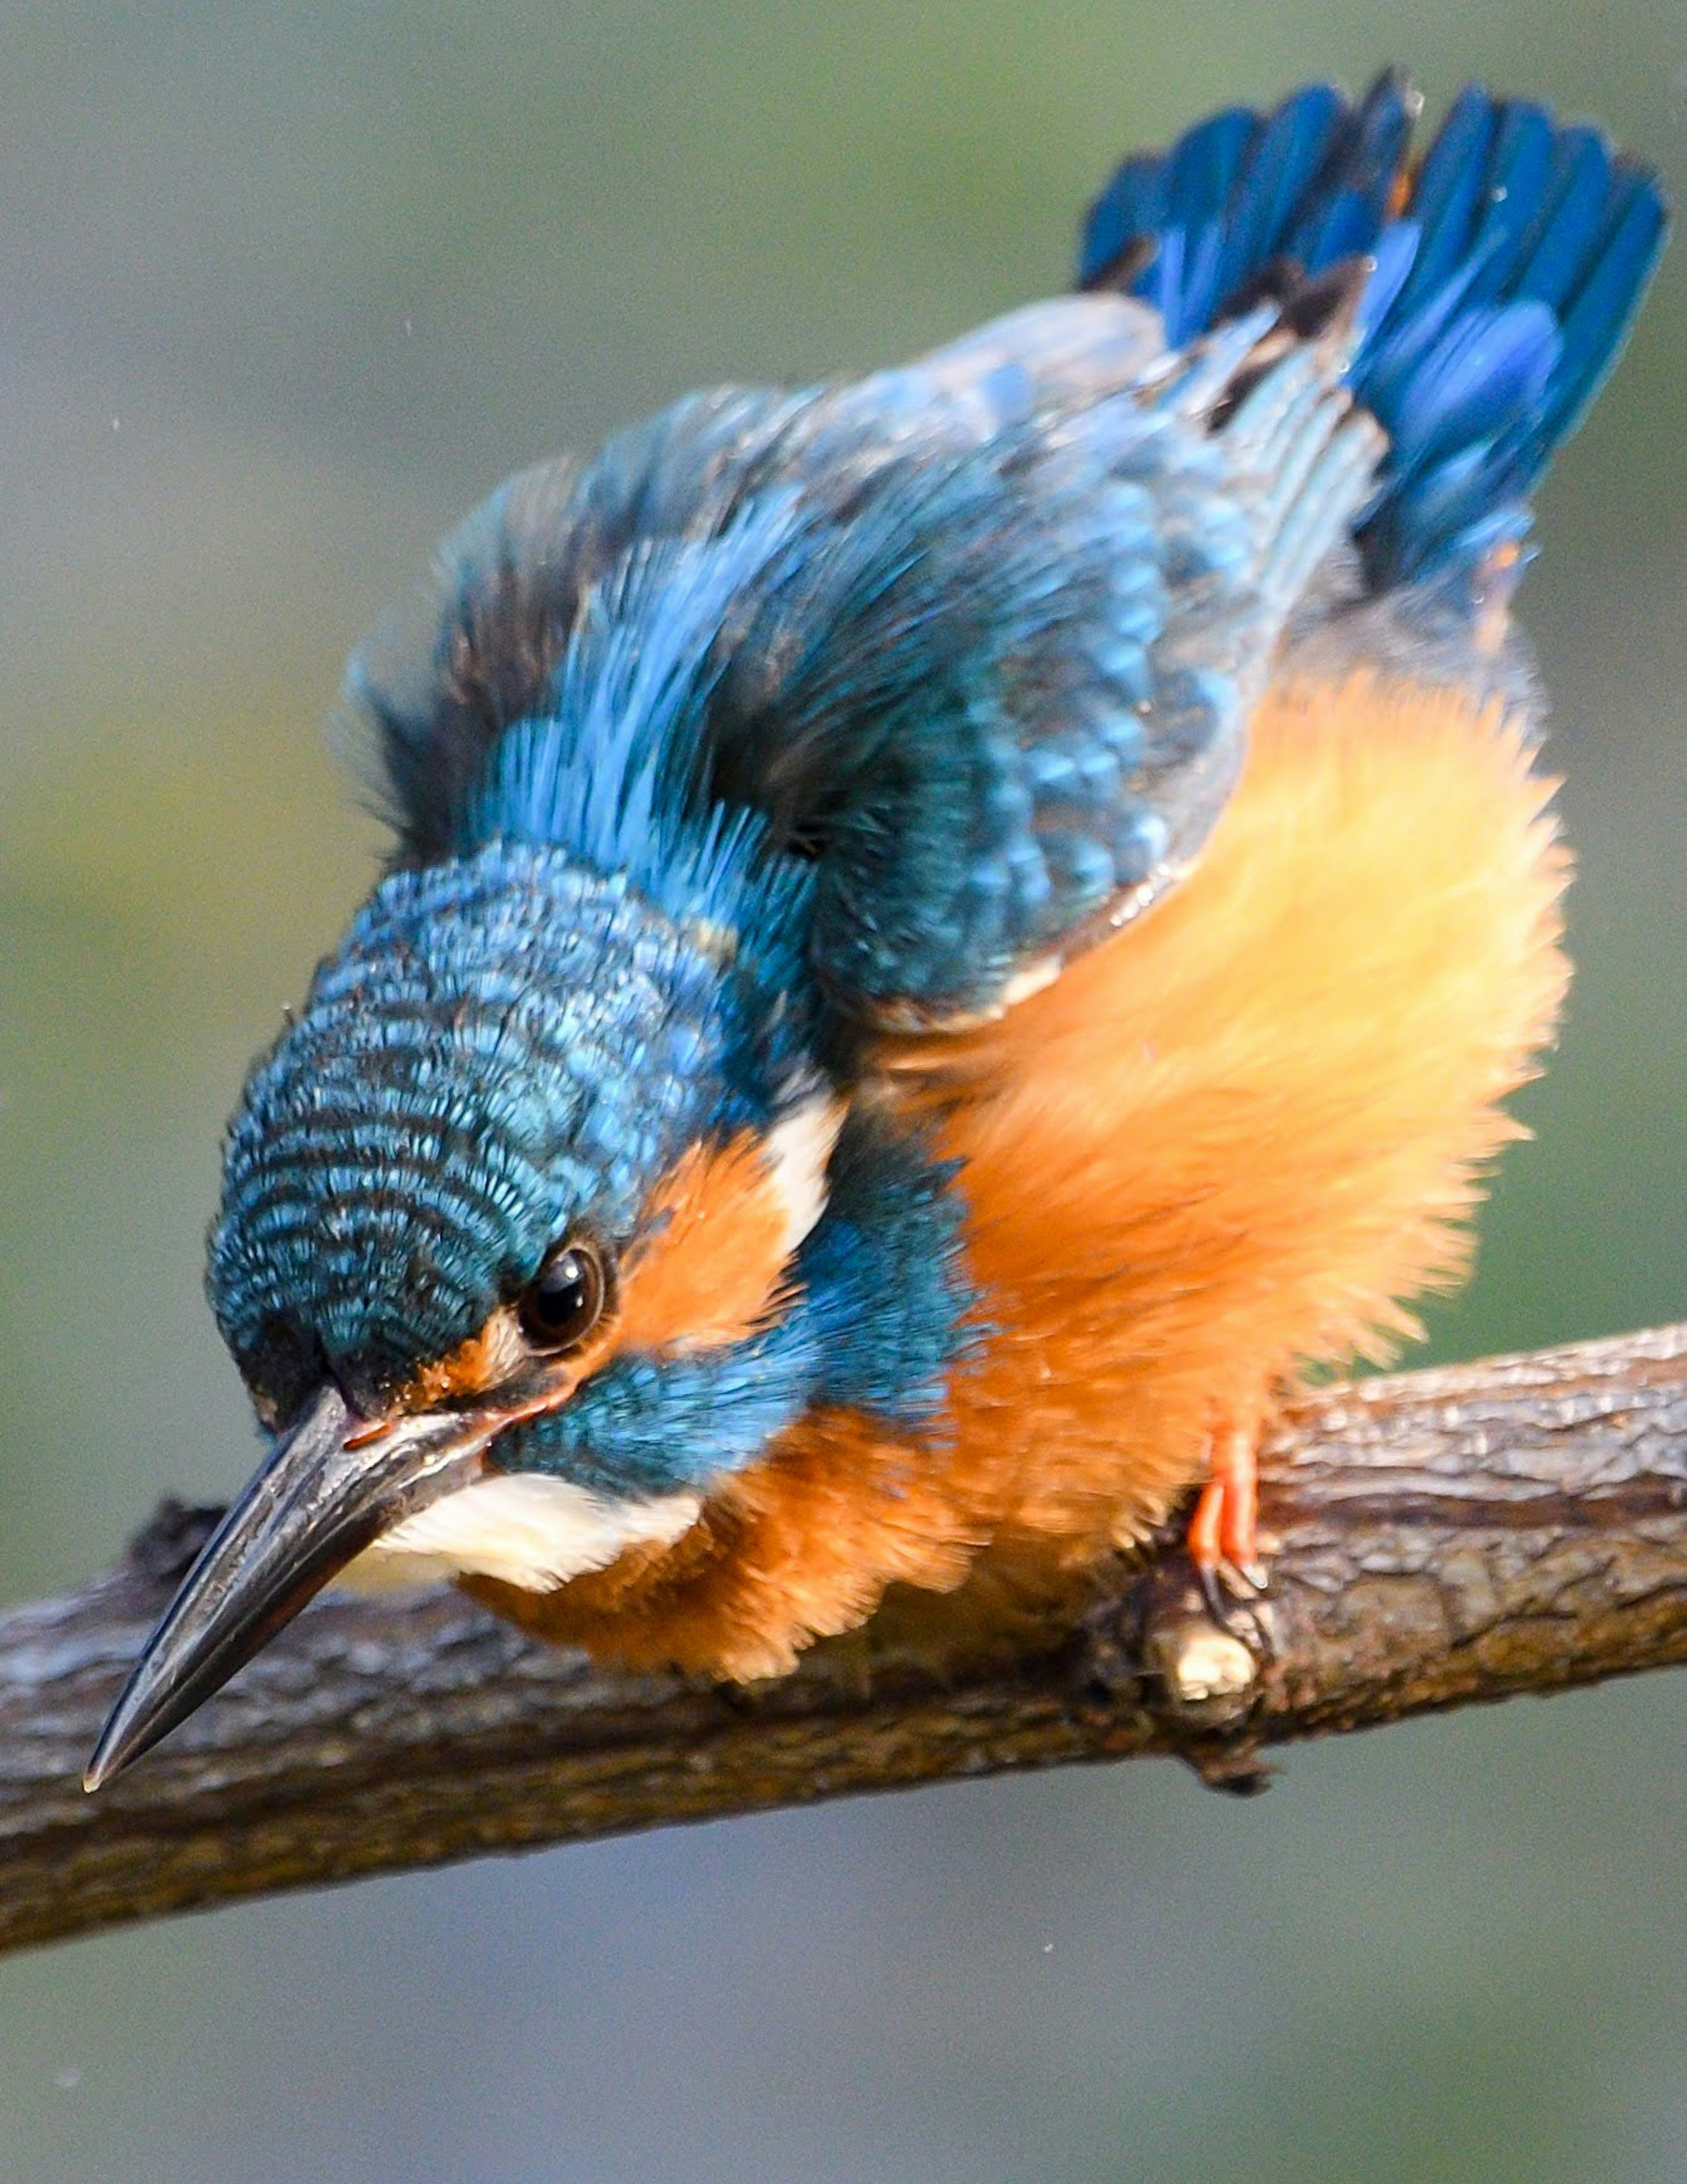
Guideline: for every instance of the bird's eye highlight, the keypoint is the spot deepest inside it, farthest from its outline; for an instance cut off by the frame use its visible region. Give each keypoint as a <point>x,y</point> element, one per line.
<point>566,1298</point>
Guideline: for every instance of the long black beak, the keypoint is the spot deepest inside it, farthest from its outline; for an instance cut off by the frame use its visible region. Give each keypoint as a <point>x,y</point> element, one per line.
<point>332,1483</point>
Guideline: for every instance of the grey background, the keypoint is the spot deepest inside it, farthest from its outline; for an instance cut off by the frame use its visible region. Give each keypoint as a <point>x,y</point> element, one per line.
<point>282,292</point>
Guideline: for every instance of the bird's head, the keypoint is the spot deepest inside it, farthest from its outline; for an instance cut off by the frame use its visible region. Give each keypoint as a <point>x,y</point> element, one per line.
<point>507,1244</point>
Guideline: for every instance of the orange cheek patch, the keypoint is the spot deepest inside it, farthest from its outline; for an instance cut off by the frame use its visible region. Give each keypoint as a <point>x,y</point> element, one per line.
<point>485,1361</point>
<point>490,1360</point>
<point>714,1267</point>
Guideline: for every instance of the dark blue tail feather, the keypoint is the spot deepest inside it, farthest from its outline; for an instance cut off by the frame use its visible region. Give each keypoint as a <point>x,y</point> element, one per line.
<point>1507,272</point>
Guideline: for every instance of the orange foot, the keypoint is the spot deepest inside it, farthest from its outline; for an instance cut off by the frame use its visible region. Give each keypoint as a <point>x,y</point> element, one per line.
<point>1223,1535</point>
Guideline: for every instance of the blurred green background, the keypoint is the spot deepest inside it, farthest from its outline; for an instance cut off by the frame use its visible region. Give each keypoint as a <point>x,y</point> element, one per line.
<point>285,291</point>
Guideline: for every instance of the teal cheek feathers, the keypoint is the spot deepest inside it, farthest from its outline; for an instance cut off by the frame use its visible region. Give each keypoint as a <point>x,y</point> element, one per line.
<point>894,1305</point>
<point>505,1043</point>
<point>654,1425</point>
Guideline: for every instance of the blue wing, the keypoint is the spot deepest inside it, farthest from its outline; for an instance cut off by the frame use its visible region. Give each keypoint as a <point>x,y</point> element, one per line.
<point>979,638</point>
<point>976,641</point>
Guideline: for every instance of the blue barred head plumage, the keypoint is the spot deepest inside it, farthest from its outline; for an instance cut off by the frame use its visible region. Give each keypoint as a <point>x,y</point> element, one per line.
<point>507,1045</point>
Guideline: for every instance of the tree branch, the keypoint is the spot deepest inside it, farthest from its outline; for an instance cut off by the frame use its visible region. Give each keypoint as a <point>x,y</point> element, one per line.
<point>1440,1537</point>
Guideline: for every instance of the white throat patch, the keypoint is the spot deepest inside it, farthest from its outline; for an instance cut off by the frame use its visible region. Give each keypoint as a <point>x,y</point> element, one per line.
<point>530,1531</point>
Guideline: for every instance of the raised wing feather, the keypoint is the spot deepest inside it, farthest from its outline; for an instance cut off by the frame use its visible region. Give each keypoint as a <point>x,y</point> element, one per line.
<point>1509,263</point>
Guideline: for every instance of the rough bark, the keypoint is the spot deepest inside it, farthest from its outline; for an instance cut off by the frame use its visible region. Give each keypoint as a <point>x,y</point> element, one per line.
<point>1519,1525</point>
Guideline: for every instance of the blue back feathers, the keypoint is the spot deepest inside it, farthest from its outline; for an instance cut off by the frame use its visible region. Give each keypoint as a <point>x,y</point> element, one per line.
<point>975,641</point>
<point>931,679</point>
<point>1507,269</point>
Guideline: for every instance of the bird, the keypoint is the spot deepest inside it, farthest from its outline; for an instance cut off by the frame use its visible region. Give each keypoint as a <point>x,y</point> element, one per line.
<point>949,936</point>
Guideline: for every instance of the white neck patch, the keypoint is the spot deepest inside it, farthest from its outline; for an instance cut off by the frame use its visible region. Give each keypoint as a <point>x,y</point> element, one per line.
<point>797,1150</point>
<point>528,1530</point>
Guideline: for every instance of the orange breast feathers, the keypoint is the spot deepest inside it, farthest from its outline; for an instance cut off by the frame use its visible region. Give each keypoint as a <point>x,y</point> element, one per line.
<point>1232,1141</point>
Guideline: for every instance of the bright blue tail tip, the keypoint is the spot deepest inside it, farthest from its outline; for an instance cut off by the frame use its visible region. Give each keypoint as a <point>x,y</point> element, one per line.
<point>1508,267</point>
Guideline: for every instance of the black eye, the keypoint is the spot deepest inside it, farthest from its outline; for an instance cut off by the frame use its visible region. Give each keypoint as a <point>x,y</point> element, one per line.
<point>566,1298</point>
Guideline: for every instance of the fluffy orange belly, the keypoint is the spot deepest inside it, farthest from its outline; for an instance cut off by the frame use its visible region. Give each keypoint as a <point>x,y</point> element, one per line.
<point>1234,1140</point>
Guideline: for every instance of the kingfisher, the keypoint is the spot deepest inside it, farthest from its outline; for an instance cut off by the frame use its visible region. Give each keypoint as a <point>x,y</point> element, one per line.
<point>949,936</point>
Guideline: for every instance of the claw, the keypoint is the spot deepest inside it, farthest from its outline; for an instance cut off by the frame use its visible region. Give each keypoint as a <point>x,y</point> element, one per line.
<point>1217,1597</point>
